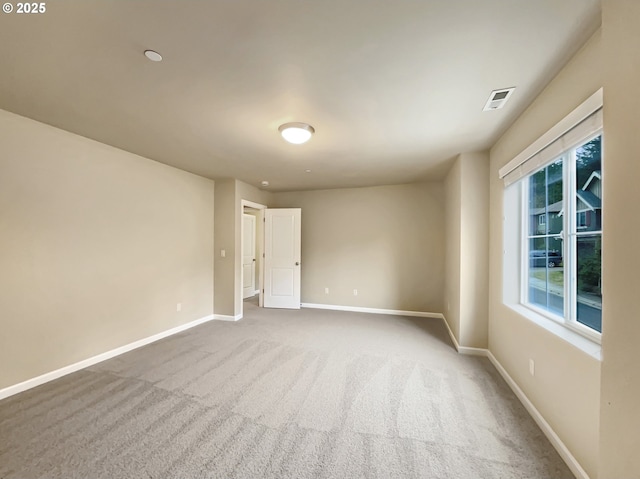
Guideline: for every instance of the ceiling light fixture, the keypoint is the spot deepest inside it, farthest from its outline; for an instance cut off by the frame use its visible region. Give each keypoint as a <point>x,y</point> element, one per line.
<point>296,133</point>
<point>264,183</point>
<point>153,56</point>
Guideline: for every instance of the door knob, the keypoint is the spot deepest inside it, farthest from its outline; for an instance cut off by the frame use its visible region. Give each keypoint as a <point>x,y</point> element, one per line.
<point>297,263</point>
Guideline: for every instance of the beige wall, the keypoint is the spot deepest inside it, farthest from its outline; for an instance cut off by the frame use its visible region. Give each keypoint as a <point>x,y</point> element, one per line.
<point>474,249</point>
<point>566,386</point>
<point>225,240</point>
<point>453,233</point>
<point>384,241</point>
<point>620,415</point>
<point>467,243</point>
<point>228,237</point>
<point>97,247</point>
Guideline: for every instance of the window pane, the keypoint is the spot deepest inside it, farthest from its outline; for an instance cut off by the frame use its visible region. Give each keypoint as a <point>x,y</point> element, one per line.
<point>589,299</point>
<point>545,200</point>
<point>554,197</point>
<point>537,204</point>
<point>546,275</point>
<point>588,195</point>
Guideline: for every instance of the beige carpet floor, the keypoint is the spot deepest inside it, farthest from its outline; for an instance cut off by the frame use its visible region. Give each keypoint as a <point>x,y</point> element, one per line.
<point>280,394</point>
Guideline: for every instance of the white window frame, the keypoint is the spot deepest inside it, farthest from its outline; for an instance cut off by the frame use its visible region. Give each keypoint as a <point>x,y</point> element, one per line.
<point>588,118</point>
<point>569,235</point>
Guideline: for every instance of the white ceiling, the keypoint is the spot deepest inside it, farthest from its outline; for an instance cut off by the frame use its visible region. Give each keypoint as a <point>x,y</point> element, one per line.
<point>394,89</point>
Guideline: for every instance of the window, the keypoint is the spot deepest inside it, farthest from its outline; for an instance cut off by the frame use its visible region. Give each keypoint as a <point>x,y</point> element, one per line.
<point>582,219</point>
<point>553,225</point>
<point>562,276</point>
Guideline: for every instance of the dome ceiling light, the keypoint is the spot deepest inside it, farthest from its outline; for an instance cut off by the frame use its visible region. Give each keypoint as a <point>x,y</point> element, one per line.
<point>296,133</point>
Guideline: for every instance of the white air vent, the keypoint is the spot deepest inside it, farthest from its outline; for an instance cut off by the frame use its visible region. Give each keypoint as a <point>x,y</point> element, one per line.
<point>498,98</point>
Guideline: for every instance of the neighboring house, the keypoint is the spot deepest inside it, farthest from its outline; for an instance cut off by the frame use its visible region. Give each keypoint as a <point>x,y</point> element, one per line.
<point>589,208</point>
<point>590,204</point>
<point>543,217</point>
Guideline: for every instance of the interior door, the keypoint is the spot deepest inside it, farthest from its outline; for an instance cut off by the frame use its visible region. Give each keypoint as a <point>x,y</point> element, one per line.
<point>282,258</point>
<point>248,255</point>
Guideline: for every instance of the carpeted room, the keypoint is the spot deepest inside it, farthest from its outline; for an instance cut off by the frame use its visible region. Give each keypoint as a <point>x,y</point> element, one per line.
<point>309,393</point>
<point>122,181</point>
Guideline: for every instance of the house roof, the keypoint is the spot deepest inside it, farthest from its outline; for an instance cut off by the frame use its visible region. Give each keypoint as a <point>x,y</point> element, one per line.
<point>589,199</point>
<point>553,208</point>
<point>595,174</point>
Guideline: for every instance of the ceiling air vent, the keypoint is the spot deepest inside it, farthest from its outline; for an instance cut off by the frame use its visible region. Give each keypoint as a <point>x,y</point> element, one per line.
<point>498,98</point>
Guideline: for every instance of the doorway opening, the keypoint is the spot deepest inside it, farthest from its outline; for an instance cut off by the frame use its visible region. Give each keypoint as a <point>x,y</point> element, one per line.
<point>270,242</point>
<point>250,267</point>
<point>252,249</point>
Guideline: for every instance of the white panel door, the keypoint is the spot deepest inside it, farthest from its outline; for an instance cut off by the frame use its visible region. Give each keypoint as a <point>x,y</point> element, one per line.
<point>282,258</point>
<point>248,255</point>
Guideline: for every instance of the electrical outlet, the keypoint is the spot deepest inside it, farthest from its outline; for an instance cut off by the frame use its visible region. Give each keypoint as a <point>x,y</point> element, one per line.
<point>179,307</point>
<point>223,253</point>
<point>532,367</point>
<point>326,290</point>
<point>355,292</point>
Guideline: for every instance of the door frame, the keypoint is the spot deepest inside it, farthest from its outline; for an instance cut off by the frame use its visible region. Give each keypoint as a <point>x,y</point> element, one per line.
<point>260,243</point>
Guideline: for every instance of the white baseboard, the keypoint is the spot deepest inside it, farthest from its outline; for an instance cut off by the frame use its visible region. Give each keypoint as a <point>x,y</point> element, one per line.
<point>225,317</point>
<point>463,349</point>
<point>50,376</point>
<point>357,309</point>
<point>548,431</point>
<point>451,335</point>
<point>473,351</point>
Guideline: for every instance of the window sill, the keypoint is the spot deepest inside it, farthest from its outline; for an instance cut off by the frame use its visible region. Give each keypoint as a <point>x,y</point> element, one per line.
<point>580,342</point>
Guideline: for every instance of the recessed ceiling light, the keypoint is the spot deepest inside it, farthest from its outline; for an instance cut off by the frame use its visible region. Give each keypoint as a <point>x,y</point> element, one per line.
<point>296,133</point>
<point>307,171</point>
<point>264,183</point>
<point>153,56</point>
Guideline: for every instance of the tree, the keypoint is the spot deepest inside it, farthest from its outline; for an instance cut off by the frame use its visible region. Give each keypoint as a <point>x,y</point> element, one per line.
<point>546,186</point>
<point>590,267</point>
<point>588,160</point>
